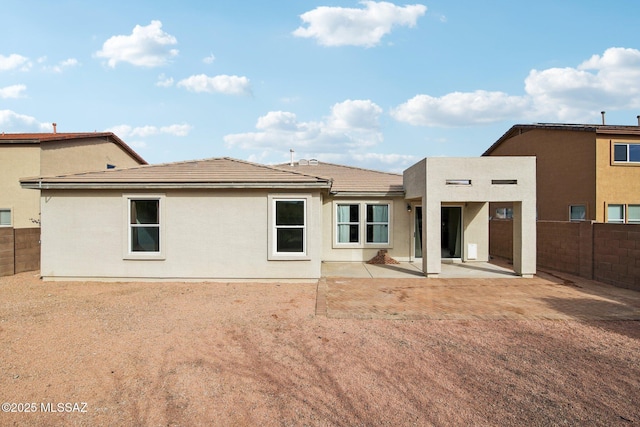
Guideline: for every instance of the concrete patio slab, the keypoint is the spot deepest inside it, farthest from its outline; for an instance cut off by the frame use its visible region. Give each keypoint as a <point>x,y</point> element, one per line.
<point>414,270</point>
<point>549,295</point>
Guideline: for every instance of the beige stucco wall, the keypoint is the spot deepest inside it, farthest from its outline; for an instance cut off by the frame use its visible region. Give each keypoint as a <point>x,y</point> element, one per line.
<point>80,155</point>
<point>208,235</point>
<point>566,169</point>
<point>19,161</point>
<point>616,183</point>
<point>429,189</point>
<point>399,235</point>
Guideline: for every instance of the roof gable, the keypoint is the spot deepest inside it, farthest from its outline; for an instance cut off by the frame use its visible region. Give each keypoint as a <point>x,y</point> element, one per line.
<point>52,138</point>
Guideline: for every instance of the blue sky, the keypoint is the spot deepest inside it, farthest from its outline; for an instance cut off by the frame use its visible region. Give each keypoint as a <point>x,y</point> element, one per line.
<point>372,84</point>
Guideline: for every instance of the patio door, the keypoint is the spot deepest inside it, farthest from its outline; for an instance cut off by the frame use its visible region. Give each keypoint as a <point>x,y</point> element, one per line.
<point>417,232</point>
<point>451,232</point>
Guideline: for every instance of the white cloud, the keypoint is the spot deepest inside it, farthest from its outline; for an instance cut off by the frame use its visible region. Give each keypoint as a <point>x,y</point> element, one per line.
<point>61,66</point>
<point>352,125</point>
<point>126,131</point>
<point>11,121</point>
<point>460,108</point>
<point>571,94</point>
<point>164,81</point>
<point>147,46</point>
<point>230,85</point>
<point>13,91</point>
<point>14,62</point>
<point>209,59</point>
<point>339,26</point>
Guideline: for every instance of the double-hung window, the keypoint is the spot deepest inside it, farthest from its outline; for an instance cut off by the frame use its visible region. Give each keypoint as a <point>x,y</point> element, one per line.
<point>290,226</point>
<point>377,223</point>
<point>5,217</point>
<point>615,214</point>
<point>626,153</point>
<point>145,229</point>
<point>348,223</point>
<point>633,214</point>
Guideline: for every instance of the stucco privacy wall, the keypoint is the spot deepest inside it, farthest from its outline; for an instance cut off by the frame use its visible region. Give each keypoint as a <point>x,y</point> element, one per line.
<point>208,234</point>
<point>437,181</point>
<point>399,234</point>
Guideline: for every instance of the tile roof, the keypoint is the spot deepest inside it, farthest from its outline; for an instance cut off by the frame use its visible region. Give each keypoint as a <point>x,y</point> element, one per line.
<point>221,172</point>
<point>349,179</point>
<point>39,138</point>
<point>598,129</point>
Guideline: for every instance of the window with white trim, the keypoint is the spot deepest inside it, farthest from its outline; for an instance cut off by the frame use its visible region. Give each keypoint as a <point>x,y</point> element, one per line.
<point>615,214</point>
<point>144,225</point>
<point>577,213</point>
<point>348,223</point>
<point>377,223</point>
<point>504,213</point>
<point>626,153</point>
<point>5,217</point>
<point>290,226</point>
<point>633,214</point>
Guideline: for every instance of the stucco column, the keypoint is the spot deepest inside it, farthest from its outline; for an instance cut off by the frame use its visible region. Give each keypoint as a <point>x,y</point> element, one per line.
<point>524,238</point>
<point>431,223</point>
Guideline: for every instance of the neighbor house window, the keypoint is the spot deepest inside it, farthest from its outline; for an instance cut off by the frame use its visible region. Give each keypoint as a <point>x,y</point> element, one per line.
<point>348,223</point>
<point>504,213</point>
<point>377,223</point>
<point>577,213</point>
<point>629,153</point>
<point>144,225</point>
<point>5,217</point>
<point>290,226</point>
<point>615,213</point>
<point>633,214</point>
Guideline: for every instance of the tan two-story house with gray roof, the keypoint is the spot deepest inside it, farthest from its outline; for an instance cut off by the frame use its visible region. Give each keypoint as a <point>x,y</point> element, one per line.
<point>44,154</point>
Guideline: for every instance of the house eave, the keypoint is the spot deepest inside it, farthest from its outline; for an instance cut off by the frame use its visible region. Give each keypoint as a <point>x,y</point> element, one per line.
<point>371,194</point>
<point>43,185</point>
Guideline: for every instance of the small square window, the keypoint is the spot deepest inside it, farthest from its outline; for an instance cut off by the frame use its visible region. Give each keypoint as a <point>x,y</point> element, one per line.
<point>504,213</point>
<point>577,213</point>
<point>615,214</point>
<point>5,217</point>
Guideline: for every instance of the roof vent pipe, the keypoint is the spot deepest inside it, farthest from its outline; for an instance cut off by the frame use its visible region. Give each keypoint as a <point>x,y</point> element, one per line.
<point>291,152</point>
<point>54,127</point>
<point>603,113</point>
<point>638,117</point>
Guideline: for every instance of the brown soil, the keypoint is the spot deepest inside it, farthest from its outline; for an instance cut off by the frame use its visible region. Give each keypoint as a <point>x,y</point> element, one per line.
<point>256,354</point>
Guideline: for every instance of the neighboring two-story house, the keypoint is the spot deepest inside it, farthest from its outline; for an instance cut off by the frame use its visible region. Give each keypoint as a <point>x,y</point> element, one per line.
<point>43,154</point>
<point>584,172</point>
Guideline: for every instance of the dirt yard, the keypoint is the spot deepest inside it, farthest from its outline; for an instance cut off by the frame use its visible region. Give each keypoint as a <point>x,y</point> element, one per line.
<point>166,354</point>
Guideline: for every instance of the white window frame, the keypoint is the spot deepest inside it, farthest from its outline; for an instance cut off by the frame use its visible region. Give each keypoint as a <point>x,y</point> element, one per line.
<point>571,212</point>
<point>273,254</point>
<point>616,221</point>
<point>628,160</point>
<point>506,214</point>
<point>362,224</point>
<point>10,224</point>
<point>632,220</point>
<point>129,254</point>
<point>338,223</point>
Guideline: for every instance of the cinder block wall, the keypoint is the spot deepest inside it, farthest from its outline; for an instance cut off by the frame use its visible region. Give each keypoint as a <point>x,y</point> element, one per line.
<point>6,251</point>
<point>559,246</point>
<point>27,249</point>
<point>501,238</point>
<point>616,254</point>
<point>608,253</point>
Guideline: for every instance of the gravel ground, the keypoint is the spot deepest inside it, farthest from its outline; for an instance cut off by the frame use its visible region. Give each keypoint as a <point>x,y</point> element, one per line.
<point>256,354</point>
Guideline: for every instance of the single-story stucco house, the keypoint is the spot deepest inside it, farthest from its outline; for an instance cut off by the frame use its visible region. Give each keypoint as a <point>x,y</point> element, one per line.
<point>225,219</point>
